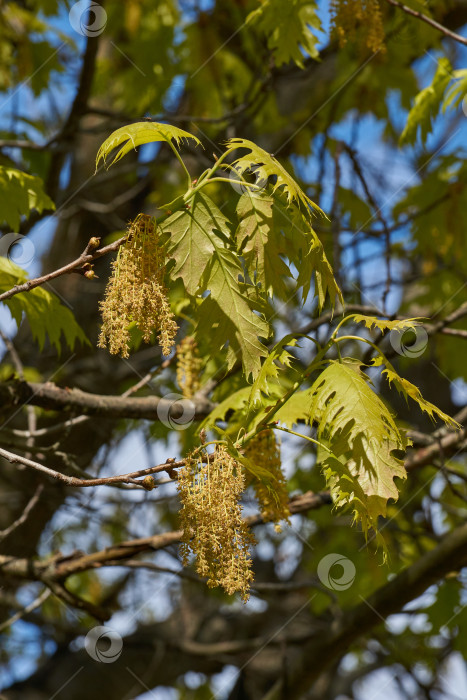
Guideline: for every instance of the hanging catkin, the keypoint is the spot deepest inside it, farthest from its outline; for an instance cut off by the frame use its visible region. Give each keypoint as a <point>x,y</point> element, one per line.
<point>136,292</point>
<point>358,19</point>
<point>189,366</point>
<point>273,498</point>
<point>211,518</point>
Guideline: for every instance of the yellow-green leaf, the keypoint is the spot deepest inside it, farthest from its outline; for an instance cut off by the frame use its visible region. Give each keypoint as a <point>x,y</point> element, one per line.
<point>264,165</point>
<point>45,314</point>
<point>427,104</point>
<point>287,26</point>
<point>406,388</point>
<point>19,195</point>
<point>137,134</point>
<point>384,324</point>
<point>362,435</point>
<point>270,369</point>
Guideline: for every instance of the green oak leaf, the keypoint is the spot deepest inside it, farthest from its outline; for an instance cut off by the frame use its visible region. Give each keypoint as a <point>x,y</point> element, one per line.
<point>137,134</point>
<point>19,195</point>
<point>407,389</point>
<point>287,26</point>
<point>385,324</point>
<point>264,165</point>
<point>427,104</point>
<point>194,240</point>
<point>261,241</point>
<point>362,435</point>
<point>199,242</point>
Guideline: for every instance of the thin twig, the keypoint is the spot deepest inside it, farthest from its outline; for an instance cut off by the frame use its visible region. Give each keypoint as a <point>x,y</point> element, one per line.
<point>86,257</point>
<point>29,608</point>
<point>130,478</point>
<point>379,216</point>
<point>24,515</point>
<point>428,20</point>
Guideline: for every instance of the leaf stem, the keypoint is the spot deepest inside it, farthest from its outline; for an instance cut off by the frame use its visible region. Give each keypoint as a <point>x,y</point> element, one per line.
<point>316,362</point>
<point>363,340</point>
<point>211,442</point>
<point>341,323</point>
<point>231,182</point>
<point>180,160</point>
<point>305,437</point>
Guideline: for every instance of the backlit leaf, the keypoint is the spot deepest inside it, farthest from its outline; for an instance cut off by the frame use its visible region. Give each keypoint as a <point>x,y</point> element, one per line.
<point>19,195</point>
<point>362,435</point>
<point>384,324</point>
<point>408,389</point>
<point>137,134</point>
<point>199,239</point>
<point>457,92</point>
<point>427,104</point>
<point>270,368</point>
<point>265,166</point>
<point>261,241</point>
<point>193,239</point>
<point>287,26</point>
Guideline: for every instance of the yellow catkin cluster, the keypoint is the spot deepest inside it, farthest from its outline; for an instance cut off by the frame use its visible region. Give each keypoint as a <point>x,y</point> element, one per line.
<point>189,366</point>
<point>136,292</point>
<point>351,19</point>
<point>264,451</point>
<point>211,518</point>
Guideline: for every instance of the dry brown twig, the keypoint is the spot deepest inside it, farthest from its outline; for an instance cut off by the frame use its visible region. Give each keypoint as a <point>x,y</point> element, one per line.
<point>90,253</point>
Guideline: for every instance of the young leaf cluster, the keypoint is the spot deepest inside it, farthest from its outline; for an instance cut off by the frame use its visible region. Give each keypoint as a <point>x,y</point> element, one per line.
<point>228,273</point>
<point>360,446</point>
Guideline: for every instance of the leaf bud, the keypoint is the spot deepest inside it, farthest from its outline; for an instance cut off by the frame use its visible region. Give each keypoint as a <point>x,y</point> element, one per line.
<point>148,483</point>
<point>94,242</point>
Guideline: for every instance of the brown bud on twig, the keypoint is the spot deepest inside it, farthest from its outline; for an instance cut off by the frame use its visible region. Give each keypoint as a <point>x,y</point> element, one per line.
<point>88,271</point>
<point>148,483</point>
<point>94,242</point>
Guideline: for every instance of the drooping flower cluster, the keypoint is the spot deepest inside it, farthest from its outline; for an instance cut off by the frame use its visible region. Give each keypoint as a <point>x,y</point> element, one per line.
<point>136,292</point>
<point>352,19</point>
<point>264,451</point>
<point>189,366</point>
<point>211,518</point>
